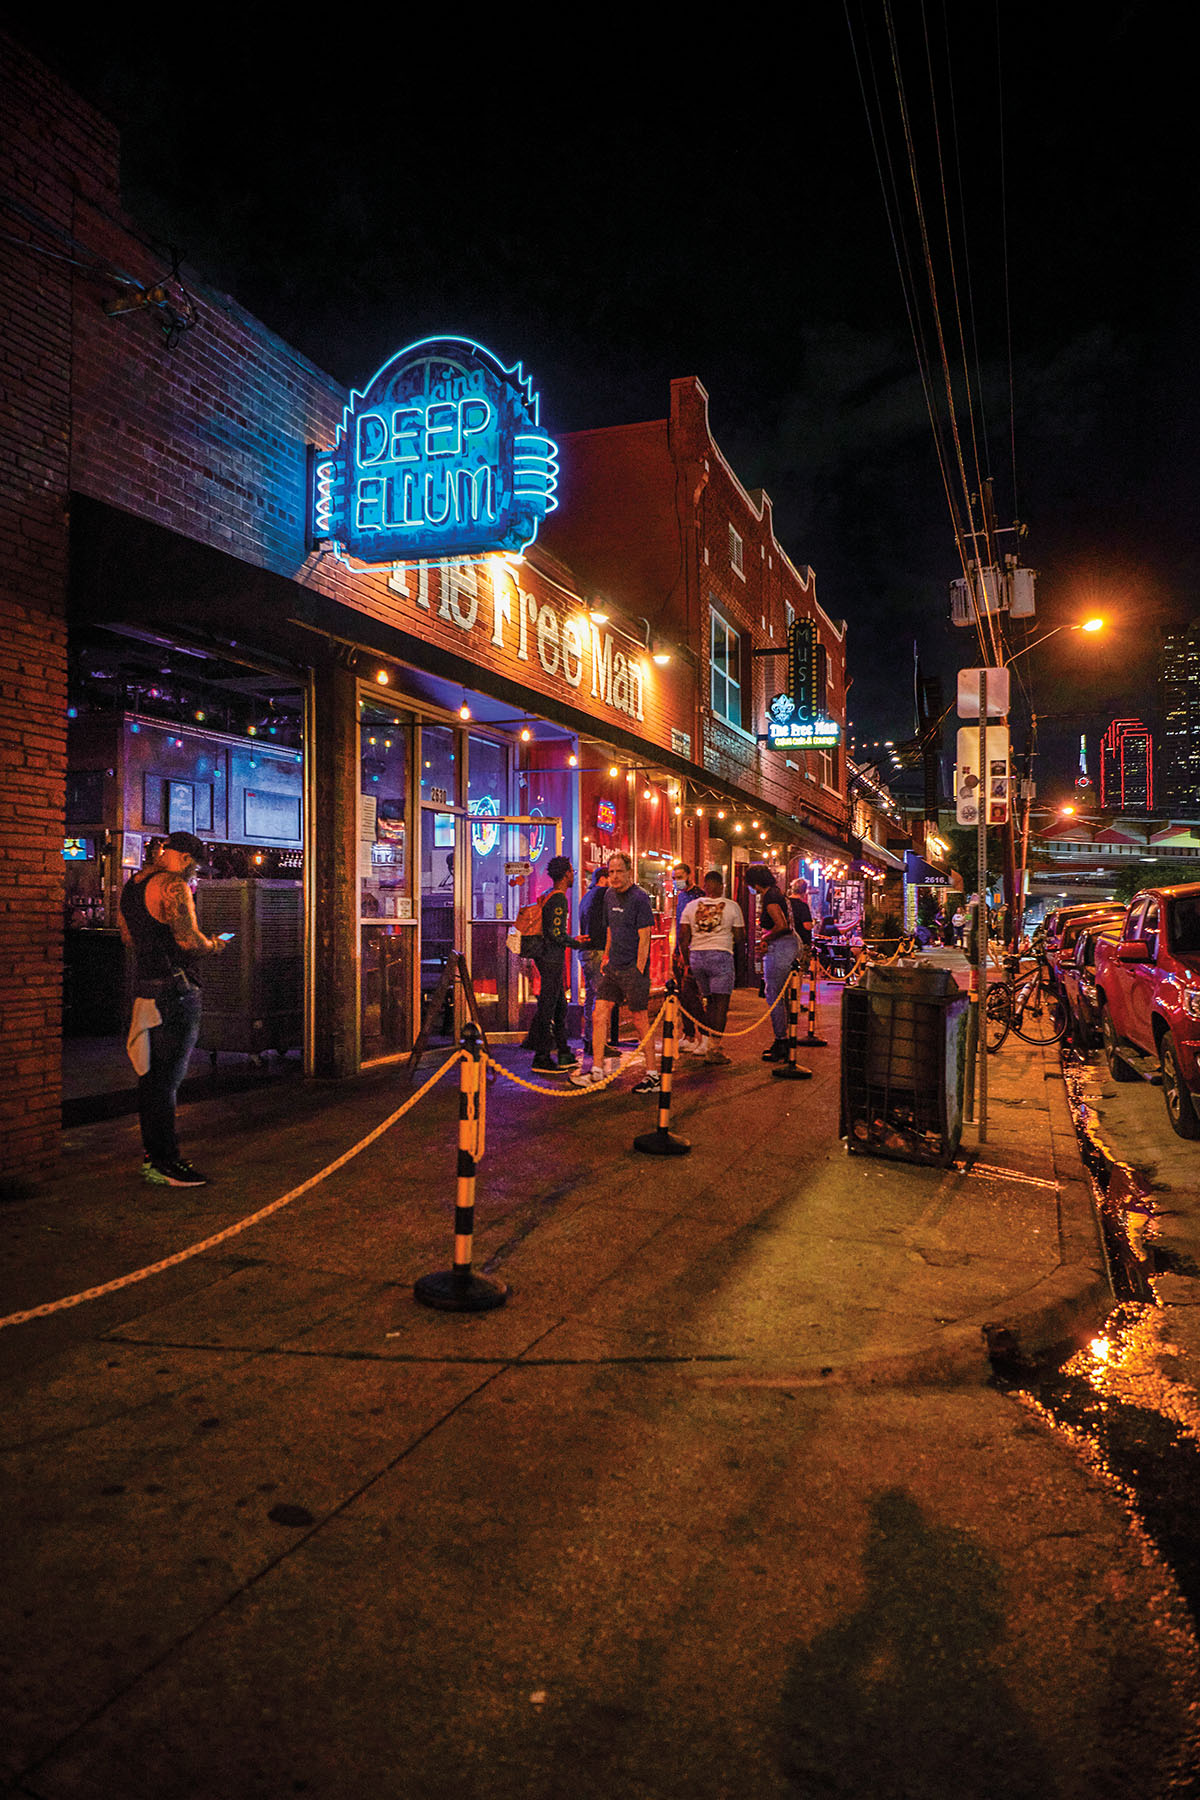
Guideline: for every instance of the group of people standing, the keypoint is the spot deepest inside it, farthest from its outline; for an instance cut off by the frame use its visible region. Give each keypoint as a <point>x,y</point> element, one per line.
<point>158,923</point>
<point>616,920</point>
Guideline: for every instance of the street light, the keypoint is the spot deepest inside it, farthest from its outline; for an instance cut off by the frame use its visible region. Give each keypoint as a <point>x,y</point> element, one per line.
<point>1089,625</point>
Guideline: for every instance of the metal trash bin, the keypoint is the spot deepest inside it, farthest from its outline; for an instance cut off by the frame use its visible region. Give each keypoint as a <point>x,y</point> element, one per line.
<point>903,1060</point>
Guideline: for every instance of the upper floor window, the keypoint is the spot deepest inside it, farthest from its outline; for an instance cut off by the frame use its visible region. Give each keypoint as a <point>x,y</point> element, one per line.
<point>735,553</point>
<point>726,666</point>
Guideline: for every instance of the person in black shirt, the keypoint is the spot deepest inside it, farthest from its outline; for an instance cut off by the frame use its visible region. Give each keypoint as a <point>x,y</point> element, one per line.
<point>157,918</point>
<point>801,912</point>
<point>780,947</point>
<point>549,1028</point>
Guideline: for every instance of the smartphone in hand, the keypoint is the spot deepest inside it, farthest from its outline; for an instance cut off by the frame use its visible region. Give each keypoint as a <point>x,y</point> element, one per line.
<point>226,937</point>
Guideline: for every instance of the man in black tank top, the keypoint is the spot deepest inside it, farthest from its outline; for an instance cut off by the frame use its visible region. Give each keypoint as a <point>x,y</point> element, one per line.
<point>157,917</point>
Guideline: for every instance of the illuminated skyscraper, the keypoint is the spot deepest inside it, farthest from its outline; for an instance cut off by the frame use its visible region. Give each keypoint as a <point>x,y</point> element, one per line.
<point>1179,746</point>
<point>1127,767</point>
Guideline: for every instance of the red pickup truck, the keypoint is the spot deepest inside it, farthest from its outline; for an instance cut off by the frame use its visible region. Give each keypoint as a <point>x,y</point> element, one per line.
<point>1148,990</point>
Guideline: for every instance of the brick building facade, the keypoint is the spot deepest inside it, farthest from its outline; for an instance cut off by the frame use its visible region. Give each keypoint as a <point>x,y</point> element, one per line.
<point>154,511</point>
<point>653,517</point>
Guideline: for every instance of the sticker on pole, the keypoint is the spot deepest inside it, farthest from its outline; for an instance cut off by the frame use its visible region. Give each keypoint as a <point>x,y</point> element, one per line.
<point>970,790</point>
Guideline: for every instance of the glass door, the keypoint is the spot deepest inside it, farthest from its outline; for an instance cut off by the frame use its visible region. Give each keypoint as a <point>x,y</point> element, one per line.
<point>386,925</point>
<point>442,922</point>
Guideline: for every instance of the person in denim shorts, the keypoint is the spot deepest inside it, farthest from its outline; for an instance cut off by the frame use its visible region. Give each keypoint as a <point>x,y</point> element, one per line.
<point>708,930</point>
<point>780,948</point>
<point>625,971</point>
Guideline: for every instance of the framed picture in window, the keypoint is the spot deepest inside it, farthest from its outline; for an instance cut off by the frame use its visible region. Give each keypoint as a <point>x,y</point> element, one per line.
<point>181,806</point>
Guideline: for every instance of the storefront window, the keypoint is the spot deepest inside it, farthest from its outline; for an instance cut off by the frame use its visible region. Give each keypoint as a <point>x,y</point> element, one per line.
<point>546,790</point>
<point>606,810</point>
<point>439,765</point>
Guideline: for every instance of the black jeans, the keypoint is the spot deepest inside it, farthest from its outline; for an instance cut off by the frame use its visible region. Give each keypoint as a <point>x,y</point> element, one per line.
<point>549,1028</point>
<point>171,1046</point>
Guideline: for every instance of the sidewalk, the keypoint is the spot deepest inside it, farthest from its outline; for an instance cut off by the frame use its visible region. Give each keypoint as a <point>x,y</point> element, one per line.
<point>285,1531</point>
<point>813,1265</point>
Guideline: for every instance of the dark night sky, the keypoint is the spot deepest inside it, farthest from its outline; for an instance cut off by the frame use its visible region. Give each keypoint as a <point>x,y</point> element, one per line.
<point>619,209</point>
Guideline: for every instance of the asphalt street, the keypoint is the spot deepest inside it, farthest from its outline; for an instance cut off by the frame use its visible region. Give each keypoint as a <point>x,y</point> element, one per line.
<point>725,1500</point>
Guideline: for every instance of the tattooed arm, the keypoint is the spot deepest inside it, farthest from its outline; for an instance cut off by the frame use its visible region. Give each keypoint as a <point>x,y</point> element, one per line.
<point>173,905</point>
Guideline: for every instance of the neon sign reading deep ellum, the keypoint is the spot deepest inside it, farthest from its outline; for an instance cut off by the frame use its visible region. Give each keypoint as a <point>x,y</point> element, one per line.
<point>442,454</point>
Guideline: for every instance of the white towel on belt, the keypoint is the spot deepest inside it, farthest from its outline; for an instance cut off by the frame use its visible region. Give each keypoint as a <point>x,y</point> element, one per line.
<point>137,1045</point>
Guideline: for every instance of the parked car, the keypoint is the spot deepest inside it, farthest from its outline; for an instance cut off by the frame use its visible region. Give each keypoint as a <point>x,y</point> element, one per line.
<point>1055,922</point>
<point>1077,979</point>
<point>1148,992</point>
<point>1061,948</point>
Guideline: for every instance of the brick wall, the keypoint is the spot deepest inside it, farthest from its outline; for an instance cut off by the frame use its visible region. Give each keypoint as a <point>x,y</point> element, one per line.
<point>55,154</point>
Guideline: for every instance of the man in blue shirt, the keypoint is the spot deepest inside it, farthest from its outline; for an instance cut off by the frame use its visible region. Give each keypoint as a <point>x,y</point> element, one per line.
<point>625,971</point>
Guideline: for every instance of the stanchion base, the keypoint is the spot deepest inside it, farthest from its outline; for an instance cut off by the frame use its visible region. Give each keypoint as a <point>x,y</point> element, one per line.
<point>661,1143</point>
<point>820,1043</point>
<point>449,1290</point>
<point>792,1072</point>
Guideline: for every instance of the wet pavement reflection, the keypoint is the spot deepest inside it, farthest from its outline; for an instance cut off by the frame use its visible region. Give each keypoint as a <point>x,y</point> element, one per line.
<point>1120,1404</point>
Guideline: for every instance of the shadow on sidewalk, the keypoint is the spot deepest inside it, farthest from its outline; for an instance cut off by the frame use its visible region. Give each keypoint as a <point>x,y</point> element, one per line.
<point>901,1698</point>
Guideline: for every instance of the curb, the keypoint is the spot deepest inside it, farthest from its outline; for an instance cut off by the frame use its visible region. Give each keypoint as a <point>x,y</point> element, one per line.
<point>1059,1313</point>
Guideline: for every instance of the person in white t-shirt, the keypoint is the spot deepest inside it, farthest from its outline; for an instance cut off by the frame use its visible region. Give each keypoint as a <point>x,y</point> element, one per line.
<point>708,930</point>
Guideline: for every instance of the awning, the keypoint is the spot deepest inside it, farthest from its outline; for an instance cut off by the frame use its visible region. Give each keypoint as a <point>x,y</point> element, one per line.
<point>881,858</point>
<point>919,873</point>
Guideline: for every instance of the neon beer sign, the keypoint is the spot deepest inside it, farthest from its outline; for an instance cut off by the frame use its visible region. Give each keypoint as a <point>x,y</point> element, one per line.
<point>441,455</point>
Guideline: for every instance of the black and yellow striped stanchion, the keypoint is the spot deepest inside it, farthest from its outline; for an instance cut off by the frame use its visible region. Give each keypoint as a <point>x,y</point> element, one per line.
<point>812,1038</point>
<point>662,1141</point>
<point>792,1069</point>
<point>456,1289</point>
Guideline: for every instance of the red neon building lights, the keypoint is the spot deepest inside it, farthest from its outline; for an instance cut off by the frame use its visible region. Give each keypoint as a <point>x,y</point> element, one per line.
<point>1127,766</point>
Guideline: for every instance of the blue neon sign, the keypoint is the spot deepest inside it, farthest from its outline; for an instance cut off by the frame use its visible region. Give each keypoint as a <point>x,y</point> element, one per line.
<point>442,454</point>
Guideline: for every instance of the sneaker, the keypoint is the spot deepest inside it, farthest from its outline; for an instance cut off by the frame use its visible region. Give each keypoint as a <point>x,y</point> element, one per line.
<point>716,1058</point>
<point>649,1084</point>
<point>778,1051</point>
<point>637,1060</point>
<point>587,1078</point>
<point>544,1065</point>
<point>567,1060</point>
<point>694,1046</point>
<point>174,1174</point>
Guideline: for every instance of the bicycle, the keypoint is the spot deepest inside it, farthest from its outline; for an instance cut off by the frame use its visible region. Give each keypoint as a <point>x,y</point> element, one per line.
<point>1027,1004</point>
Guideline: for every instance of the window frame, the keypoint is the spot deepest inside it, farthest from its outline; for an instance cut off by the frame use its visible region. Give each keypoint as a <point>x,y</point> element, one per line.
<point>731,635</point>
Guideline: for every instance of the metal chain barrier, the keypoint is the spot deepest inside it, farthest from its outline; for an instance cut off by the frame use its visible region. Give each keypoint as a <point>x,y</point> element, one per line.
<point>230,1231</point>
<point>743,1030</point>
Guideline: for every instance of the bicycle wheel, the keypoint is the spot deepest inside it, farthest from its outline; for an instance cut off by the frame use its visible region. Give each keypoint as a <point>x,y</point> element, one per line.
<point>1043,1017</point>
<point>999,1015</point>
